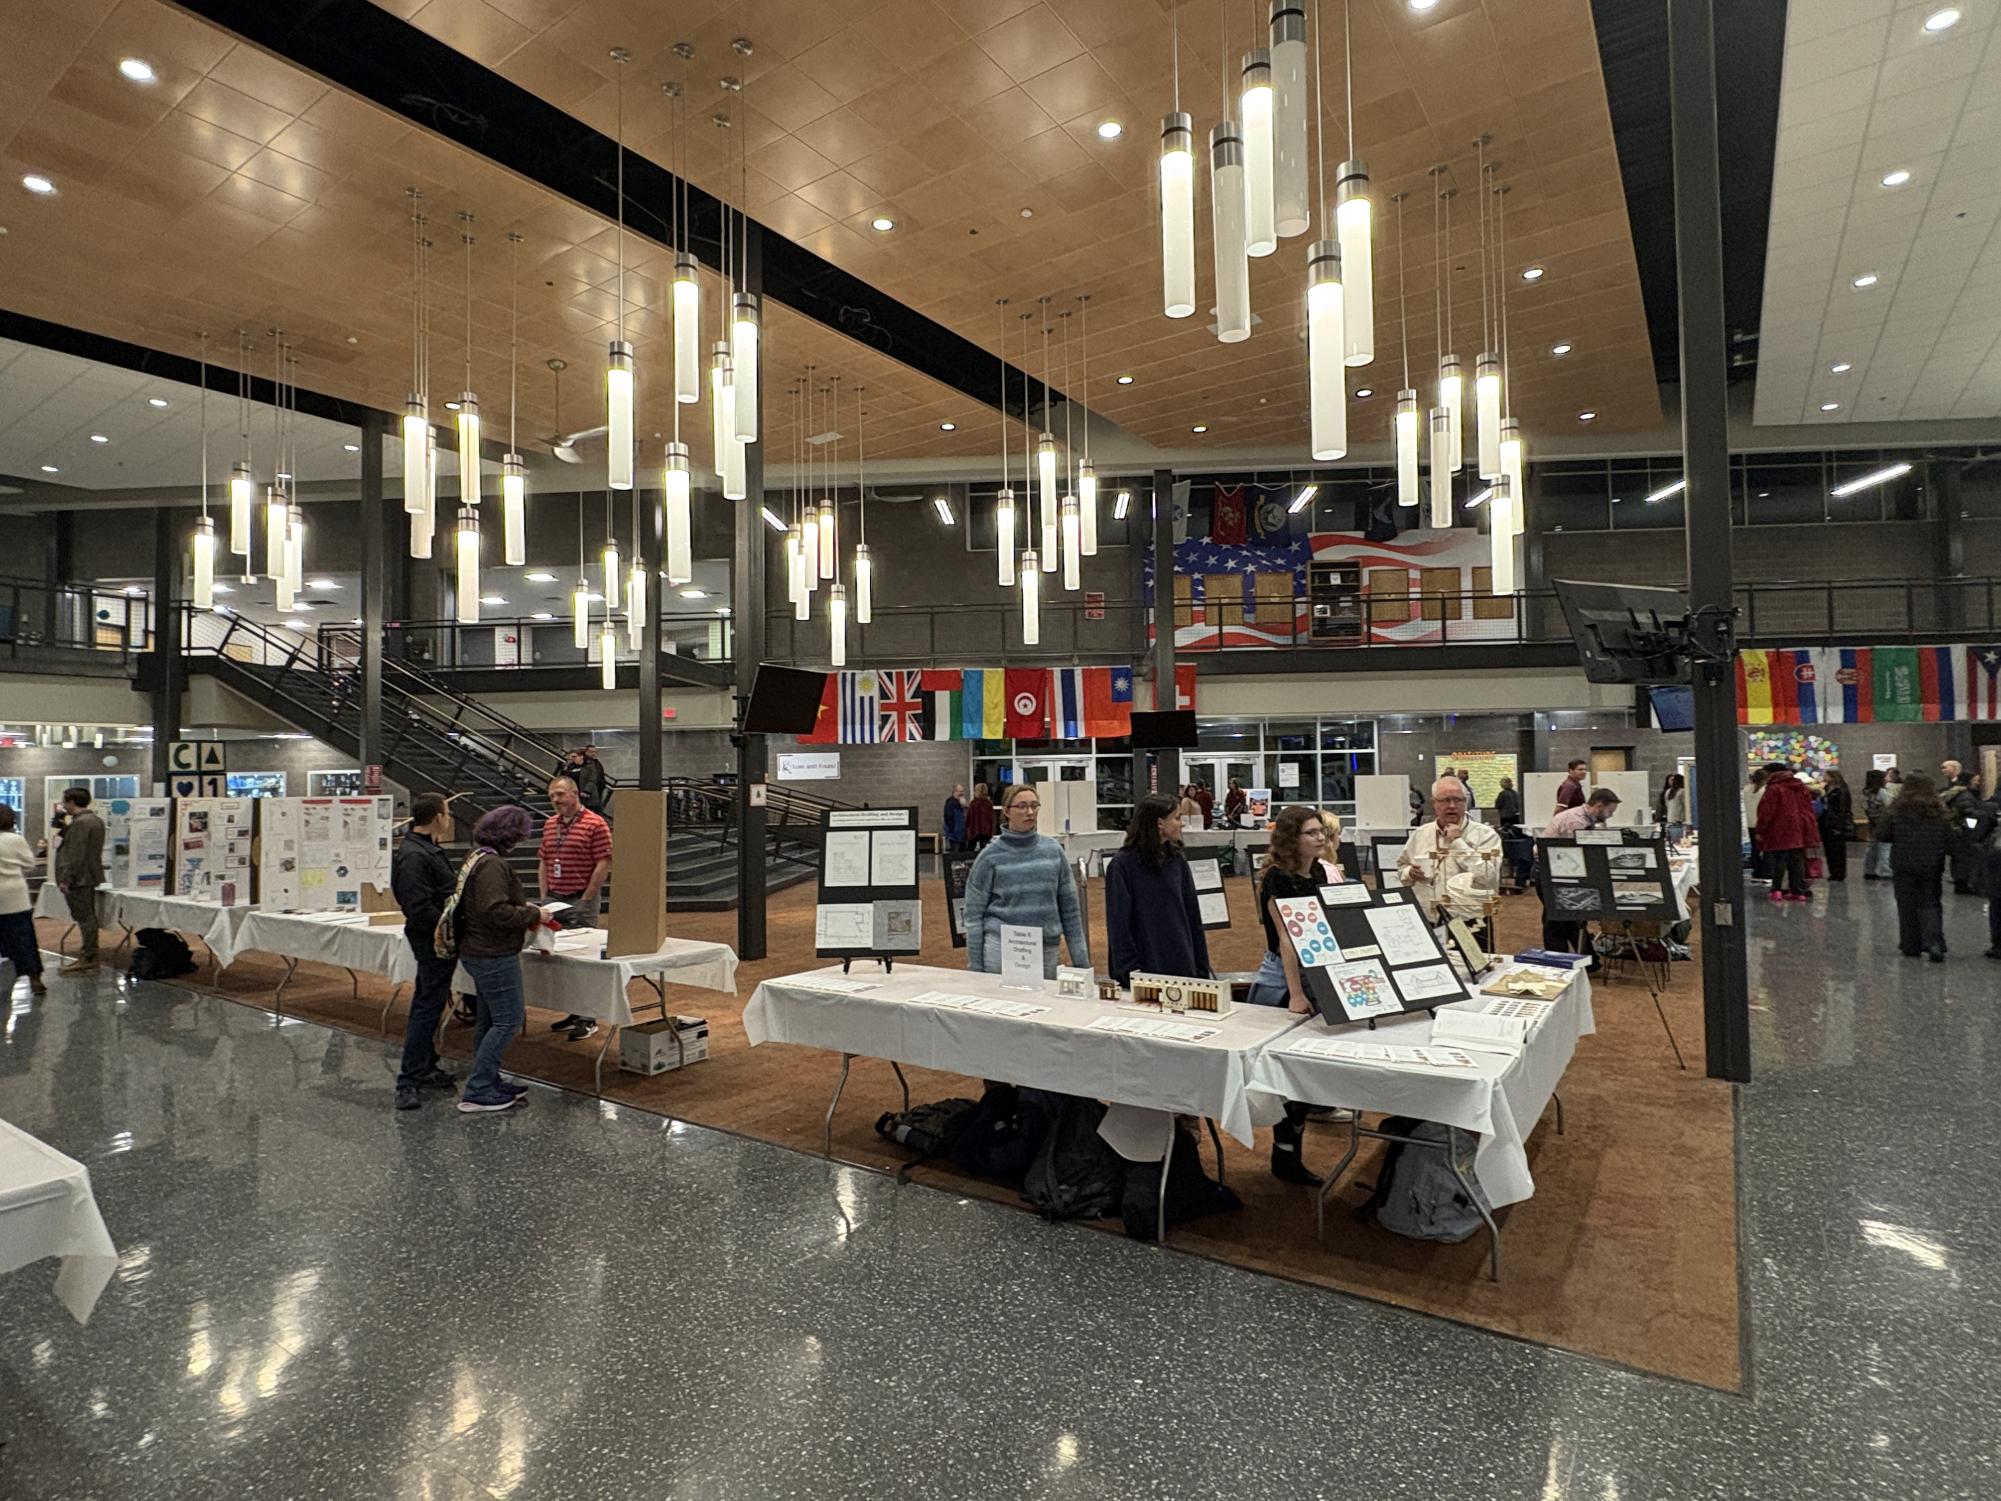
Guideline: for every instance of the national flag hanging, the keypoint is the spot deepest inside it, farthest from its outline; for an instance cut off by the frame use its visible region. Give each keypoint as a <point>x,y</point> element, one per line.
<point>942,690</point>
<point>1803,675</point>
<point>827,727</point>
<point>1754,687</point>
<point>981,714</point>
<point>1229,520</point>
<point>1855,678</point>
<point>1184,685</point>
<point>900,703</point>
<point>1108,702</point>
<point>1068,704</point>
<point>1027,703</point>
<point>1899,692</point>
<point>1983,682</point>
<point>1940,671</point>
<point>858,708</point>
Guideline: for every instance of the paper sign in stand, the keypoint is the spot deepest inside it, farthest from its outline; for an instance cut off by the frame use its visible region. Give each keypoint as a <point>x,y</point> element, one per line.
<point>868,905</point>
<point>1613,877</point>
<point>1367,954</point>
<point>1209,893</point>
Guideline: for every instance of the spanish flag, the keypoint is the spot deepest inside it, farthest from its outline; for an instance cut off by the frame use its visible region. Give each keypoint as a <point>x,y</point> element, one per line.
<point>1754,687</point>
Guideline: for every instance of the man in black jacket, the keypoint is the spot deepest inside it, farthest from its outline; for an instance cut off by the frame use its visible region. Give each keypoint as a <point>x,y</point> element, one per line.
<point>423,877</point>
<point>1963,803</point>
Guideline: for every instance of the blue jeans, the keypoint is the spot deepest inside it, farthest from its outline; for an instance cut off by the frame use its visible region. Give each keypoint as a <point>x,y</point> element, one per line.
<point>1268,987</point>
<point>501,1013</point>
<point>432,989</point>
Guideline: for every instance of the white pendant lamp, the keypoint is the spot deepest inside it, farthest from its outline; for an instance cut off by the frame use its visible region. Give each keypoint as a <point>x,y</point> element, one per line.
<point>618,373</point>
<point>608,656</point>
<point>204,563</point>
<point>417,410</point>
<point>1441,467</point>
<point>613,571</point>
<point>1451,377</point>
<point>580,614</point>
<point>687,330</point>
<point>721,400</point>
<point>242,500</point>
<point>864,584</point>
<point>1072,539</point>
<point>467,553</point>
<point>430,485</point>
<point>1452,397</point>
<point>795,582</point>
<point>1487,414</point>
<point>295,546</point>
<point>864,562</point>
<point>743,367</point>
<point>1031,598</point>
<point>1514,460</point>
<point>1177,214</point>
<point>1087,474</point>
<point>420,534</point>
<point>827,555</point>
<point>1354,220</point>
<point>1004,537</point>
<point>1227,206</point>
<point>809,549</point>
<point>735,471</point>
<point>468,415</point>
<point>513,510</point>
<point>678,486</point>
<point>1290,110</point>
<point>1514,446</point>
<point>1004,510</point>
<point>1255,111</point>
<point>837,625</point>
<point>416,427</point>
<point>1087,510</point>
<point>277,520</point>
<point>1327,396</point>
<point>635,604</point>
<point>1407,417</point>
<point>1501,536</point>
<point>1046,498</point>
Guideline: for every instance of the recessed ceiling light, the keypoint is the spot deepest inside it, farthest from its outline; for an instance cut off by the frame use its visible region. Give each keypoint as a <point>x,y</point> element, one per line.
<point>1587,416</point>
<point>34,182</point>
<point>948,427</point>
<point>321,584</point>
<point>1532,273</point>
<point>542,615</point>
<point>1422,5</point>
<point>492,599</point>
<point>1028,213</point>
<point>1559,350</point>
<point>1942,20</point>
<point>99,438</point>
<point>1200,427</point>
<point>541,578</point>
<point>882,224</point>
<point>1110,130</point>
<point>1896,179</point>
<point>352,447</point>
<point>156,401</point>
<point>1364,393</point>
<point>694,594</point>
<point>451,406</point>
<point>1866,279</point>
<point>1830,406</point>
<point>50,469</point>
<point>1840,367</point>
<point>137,69</point>
<point>1125,380</point>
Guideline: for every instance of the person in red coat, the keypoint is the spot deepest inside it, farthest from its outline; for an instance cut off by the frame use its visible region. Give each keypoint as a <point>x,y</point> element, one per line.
<point>1787,829</point>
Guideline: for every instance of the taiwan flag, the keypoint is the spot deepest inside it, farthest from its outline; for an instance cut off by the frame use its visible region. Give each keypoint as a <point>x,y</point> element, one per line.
<point>827,728</point>
<point>1027,703</point>
<point>1108,702</point>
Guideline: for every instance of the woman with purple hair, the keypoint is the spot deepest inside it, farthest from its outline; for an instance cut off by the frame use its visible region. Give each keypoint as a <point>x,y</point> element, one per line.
<point>494,920</point>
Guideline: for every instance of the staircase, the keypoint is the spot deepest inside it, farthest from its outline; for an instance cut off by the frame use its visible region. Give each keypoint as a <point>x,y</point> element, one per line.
<point>436,737</point>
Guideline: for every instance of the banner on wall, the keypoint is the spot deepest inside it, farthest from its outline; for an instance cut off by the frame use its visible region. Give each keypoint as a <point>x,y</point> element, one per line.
<point>1484,770</point>
<point>1869,684</point>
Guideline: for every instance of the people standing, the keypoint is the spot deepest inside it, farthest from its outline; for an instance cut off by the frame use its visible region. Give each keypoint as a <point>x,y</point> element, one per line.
<point>494,920</point>
<point>1754,791</point>
<point>575,862</point>
<point>1190,810</point>
<point>1235,801</point>
<point>954,820</point>
<point>1517,848</point>
<point>1787,828</point>
<point>1570,791</point>
<point>1206,801</point>
<point>1153,918</point>
<point>1564,934</point>
<point>18,945</point>
<point>979,818</point>
<point>1022,879</point>
<point>1298,839</point>
<point>1837,822</point>
<point>79,872</point>
<point>422,878</point>
<point>1962,804</point>
<point>1451,864</point>
<point>1330,852</point>
<point>1876,797</point>
<point>1919,830</point>
<point>1674,806</point>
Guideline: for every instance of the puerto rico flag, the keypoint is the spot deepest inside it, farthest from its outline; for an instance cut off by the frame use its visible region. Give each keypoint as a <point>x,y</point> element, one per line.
<point>900,705</point>
<point>858,708</point>
<point>1983,682</point>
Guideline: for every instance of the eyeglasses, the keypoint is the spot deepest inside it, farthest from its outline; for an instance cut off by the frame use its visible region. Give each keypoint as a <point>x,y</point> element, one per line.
<point>1448,802</point>
<point>1022,802</point>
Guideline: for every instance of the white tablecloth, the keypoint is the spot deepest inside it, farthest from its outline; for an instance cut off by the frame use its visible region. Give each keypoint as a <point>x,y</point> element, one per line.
<point>350,945</point>
<point>215,925</point>
<point>47,1209</point>
<point>1056,1049</point>
<point>1686,874</point>
<point>575,979</point>
<point>1501,1098</point>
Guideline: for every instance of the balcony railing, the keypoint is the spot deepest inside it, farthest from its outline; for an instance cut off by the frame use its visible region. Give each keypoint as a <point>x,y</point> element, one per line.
<point>43,629</point>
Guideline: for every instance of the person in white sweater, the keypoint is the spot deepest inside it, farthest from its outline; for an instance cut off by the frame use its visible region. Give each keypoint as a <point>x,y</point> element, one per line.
<point>17,919</point>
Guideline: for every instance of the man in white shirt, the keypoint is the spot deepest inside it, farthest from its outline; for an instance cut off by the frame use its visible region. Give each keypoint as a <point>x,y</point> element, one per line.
<point>1451,864</point>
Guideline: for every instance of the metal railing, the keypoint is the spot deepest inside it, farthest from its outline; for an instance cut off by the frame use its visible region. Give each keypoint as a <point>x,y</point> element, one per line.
<point>44,627</point>
<point>526,644</point>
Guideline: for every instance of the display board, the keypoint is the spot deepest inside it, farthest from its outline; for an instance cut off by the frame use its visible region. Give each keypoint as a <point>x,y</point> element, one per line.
<point>315,854</point>
<point>1387,852</point>
<point>868,903</point>
<point>638,921</point>
<point>1365,954</point>
<point>214,839</point>
<point>958,870</point>
<point>1066,808</point>
<point>138,836</point>
<point>1209,894</point>
<point>1382,802</point>
<point>1484,770</point>
<point>1607,875</point>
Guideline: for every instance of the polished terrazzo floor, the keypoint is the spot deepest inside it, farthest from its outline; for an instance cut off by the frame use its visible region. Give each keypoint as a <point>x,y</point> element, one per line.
<point>320,1298</point>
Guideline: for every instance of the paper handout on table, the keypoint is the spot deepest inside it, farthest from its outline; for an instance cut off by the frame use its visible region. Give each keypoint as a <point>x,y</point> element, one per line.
<point>544,938</point>
<point>836,984</point>
<point>998,1006</point>
<point>1379,1052</point>
<point>1472,1029</point>
<point>1152,1026</point>
<point>942,998</point>
<point>1532,1012</point>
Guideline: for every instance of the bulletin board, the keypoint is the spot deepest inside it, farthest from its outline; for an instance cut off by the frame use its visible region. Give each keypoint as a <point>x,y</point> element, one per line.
<point>318,854</point>
<point>138,838</point>
<point>214,839</point>
<point>1365,954</point>
<point>868,904</point>
<point>1484,770</point>
<point>1607,875</point>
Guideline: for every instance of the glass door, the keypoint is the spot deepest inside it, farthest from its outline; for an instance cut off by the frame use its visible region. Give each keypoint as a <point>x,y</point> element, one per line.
<point>1214,774</point>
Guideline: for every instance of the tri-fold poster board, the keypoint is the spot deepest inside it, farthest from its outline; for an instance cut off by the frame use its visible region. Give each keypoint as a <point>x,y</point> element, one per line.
<point>214,841</point>
<point>1365,954</point>
<point>138,836</point>
<point>868,901</point>
<point>320,854</point>
<point>1607,875</point>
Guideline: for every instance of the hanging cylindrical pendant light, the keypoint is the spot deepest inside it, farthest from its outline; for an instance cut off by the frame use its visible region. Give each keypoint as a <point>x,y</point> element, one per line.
<point>1072,543</point>
<point>467,554</point>
<point>1087,474</point>
<point>1325,317</point>
<point>204,564</point>
<point>276,520</point>
<point>1227,204</point>
<point>837,625</point>
<point>421,527</point>
<point>514,510</point>
<point>416,426</point>
<point>618,415</point>
<point>1407,479</point>
<point>809,550</point>
<point>1087,510</point>
<point>430,478</point>
<point>635,603</point>
<point>1046,497</point>
<point>1441,467</point>
<point>829,564</point>
<point>613,571</point>
<point>1004,537</point>
<point>722,405</point>
<point>864,562</point>
<point>295,546</point>
<point>743,367</point>
<point>677,484</point>
<point>803,573</point>
<point>1031,598</point>
<point>1487,413</point>
<point>1177,215</point>
<point>1452,397</point>
<point>468,449</point>
<point>1514,460</point>
<point>580,614</point>
<point>1290,111</point>
<point>242,500</point>
<point>608,656</point>
<point>417,410</point>
<point>1260,211</point>
<point>795,579</point>
<point>864,584</point>
<point>687,330</point>
<point>1501,536</point>
<point>1355,222</point>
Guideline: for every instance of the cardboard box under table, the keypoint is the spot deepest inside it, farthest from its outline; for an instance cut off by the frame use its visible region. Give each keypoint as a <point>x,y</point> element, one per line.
<point>1500,1096</point>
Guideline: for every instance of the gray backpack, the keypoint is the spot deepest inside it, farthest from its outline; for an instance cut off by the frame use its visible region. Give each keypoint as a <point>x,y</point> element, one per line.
<point>1416,1194</point>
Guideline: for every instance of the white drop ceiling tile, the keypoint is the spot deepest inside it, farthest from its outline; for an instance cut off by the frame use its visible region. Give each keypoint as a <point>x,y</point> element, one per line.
<point>1828,56</point>
<point>1815,227</point>
<point>1927,69</point>
<point>1814,131</point>
<point>1815,198</point>
<point>1924,105</point>
<point>1839,163</point>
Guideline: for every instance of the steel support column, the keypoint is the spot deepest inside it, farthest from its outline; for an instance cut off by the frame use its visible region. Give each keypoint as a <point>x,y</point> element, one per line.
<point>1706,464</point>
<point>649,544</point>
<point>167,664</point>
<point>1164,696</point>
<point>747,618</point>
<point>382,530</point>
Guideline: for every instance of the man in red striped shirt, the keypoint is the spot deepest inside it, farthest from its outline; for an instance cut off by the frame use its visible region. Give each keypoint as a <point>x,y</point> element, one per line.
<point>575,860</point>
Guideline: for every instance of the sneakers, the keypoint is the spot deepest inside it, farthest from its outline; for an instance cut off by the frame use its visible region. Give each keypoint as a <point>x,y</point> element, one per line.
<point>79,967</point>
<point>1936,953</point>
<point>509,1088</point>
<point>1796,896</point>
<point>1775,896</point>
<point>568,1022</point>
<point>407,1097</point>
<point>585,1027</point>
<point>488,1103</point>
<point>438,1078</point>
<point>38,986</point>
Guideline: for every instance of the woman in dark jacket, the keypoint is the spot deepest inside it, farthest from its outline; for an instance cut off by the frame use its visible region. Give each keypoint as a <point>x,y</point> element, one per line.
<point>1152,914</point>
<point>494,919</point>
<point>1837,823</point>
<point>1919,832</point>
<point>1877,794</point>
<point>1786,829</point>
<point>979,818</point>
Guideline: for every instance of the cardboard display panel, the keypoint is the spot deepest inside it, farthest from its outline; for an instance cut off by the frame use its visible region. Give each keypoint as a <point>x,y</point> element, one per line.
<point>1367,954</point>
<point>138,834</point>
<point>1607,875</point>
<point>318,854</point>
<point>868,904</point>
<point>638,920</point>
<point>215,840</point>
<point>1382,802</point>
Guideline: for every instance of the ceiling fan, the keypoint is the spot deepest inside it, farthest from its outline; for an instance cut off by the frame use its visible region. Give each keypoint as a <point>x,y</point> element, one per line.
<point>565,445</point>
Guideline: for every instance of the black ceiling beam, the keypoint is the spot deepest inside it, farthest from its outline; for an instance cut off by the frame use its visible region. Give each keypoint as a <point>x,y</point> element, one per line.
<point>373,54</point>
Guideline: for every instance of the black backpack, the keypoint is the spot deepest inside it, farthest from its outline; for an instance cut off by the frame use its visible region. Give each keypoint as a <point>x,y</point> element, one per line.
<point>1191,1192</point>
<point>160,955</point>
<point>1075,1175</point>
<point>928,1130</point>
<point>1002,1135</point>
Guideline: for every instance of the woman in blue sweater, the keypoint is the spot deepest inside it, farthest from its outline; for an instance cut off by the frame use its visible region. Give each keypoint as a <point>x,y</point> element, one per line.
<point>1022,880</point>
<point>1153,918</point>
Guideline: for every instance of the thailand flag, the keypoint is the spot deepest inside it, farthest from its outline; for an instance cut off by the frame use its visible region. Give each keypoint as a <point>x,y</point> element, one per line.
<point>1070,703</point>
